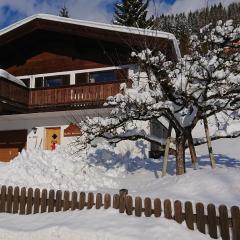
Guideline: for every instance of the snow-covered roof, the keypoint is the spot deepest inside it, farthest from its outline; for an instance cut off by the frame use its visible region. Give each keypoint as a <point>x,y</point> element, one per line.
<point>10,77</point>
<point>111,27</point>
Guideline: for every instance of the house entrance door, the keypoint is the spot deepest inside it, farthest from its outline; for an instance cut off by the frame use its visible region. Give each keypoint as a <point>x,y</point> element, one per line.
<point>53,138</point>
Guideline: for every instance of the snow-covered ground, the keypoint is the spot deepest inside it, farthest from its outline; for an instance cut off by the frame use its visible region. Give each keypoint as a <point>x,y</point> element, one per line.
<point>92,225</point>
<point>104,169</point>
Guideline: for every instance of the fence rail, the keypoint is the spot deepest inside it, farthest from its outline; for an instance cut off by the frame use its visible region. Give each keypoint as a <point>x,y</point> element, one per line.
<point>210,220</point>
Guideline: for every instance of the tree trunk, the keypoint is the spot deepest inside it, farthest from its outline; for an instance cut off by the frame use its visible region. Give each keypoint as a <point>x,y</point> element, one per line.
<point>210,150</point>
<point>166,152</point>
<point>192,149</point>
<point>180,153</point>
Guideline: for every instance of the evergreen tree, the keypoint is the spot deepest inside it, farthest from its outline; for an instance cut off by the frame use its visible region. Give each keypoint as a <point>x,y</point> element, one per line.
<point>132,13</point>
<point>64,12</point>
<point>182,26</point>
<point>182,31</point>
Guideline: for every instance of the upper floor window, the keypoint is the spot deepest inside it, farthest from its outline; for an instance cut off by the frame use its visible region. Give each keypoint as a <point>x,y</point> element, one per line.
<point>81,78</point>
<point>57,81</point>
<point>52,81</point>
<point>102,76</point>
<point>39,82</point>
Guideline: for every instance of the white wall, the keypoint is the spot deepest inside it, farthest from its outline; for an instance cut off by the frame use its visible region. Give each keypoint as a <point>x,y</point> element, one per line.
<point>41,121</point>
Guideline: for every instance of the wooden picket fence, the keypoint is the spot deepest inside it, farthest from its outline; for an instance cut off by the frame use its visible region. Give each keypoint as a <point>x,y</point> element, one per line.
<point>210,220</point>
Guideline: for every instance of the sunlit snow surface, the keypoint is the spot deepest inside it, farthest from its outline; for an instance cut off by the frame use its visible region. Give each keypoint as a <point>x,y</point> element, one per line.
<point>105,169</point>
<point>92,225</point>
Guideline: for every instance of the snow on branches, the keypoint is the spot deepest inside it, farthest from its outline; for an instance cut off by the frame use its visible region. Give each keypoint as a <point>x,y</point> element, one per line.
<point>201,84</point>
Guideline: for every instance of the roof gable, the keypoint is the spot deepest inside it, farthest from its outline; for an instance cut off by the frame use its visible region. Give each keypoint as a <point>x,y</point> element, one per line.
<point>101,31</point>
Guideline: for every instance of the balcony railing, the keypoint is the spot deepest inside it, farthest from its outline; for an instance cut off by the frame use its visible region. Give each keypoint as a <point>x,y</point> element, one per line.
<point>10,91</point>
<point>86,95</point>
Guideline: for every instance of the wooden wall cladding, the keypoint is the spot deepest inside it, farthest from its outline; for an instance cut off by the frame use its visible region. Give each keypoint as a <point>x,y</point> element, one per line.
<point>72,131</point>
<point>59,52</point>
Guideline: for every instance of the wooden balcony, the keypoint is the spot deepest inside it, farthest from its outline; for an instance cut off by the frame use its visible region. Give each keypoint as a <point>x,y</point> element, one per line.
<point>50,99</point>
<point>86,95</point>
<point>13,92</point>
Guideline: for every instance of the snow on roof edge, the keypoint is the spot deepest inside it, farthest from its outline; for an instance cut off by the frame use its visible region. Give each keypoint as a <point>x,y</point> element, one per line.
<point>111,27</point>
<point>10,77</point>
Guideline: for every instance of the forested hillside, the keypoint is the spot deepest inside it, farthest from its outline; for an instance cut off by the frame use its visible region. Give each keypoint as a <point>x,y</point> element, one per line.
<point>183,25</point>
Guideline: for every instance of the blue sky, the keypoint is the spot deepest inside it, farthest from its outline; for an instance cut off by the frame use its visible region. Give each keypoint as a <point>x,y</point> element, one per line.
<point>92,10</point>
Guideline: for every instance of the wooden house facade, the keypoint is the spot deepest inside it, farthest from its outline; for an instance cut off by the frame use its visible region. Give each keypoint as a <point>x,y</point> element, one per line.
<point>54,68</point>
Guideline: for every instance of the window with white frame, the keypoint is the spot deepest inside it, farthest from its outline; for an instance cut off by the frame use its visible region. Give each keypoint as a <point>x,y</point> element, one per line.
<point>52,81</point>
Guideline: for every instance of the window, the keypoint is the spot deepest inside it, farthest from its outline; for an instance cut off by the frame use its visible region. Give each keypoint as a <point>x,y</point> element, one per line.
<point>100,76</point>
<point>52,81</point>
<point>26,81</point>
<point>81,78</point>
<point>39,82</point>
<point>105,76</point>
<point>57,81</point>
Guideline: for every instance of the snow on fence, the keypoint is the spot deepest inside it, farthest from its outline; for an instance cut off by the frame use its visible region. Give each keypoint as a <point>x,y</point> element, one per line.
<point>210,220</point>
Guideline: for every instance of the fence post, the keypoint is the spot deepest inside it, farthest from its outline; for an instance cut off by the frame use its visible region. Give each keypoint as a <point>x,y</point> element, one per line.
<point>157,207</point>
<point>148,207</point>
<point>116,201</point>
<point>123,192</point>
<point>189,217</point>
<point>122,200</point>
<point>43,202</point>
<point>107,201</point>
<point>58,200</point>
<point>223,222</point>
<point>98,200</point>
<point>178,216</point>
<point>90,200</point>
<point>129,205</point>
<point>212,221</point>
<point>3,199</point>
<point>167,209</point>
<point>66,204</point>
<point>235,222</point>
<point>138,207</point>
<point>51,201</point>
<point>23,201</point>
<point>74,204</point>
<point>200,218</point>
<point>36,201</point>
<point>16,200</point>
<point>82,200</point>
<point>9,199</point>
<point>29,200</point>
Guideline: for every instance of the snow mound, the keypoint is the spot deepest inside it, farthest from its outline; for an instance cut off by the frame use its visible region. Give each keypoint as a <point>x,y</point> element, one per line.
<point>57,170</point>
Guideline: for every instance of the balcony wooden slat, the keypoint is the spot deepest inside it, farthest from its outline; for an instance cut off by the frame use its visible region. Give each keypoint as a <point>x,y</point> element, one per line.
<point>87,95</point>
